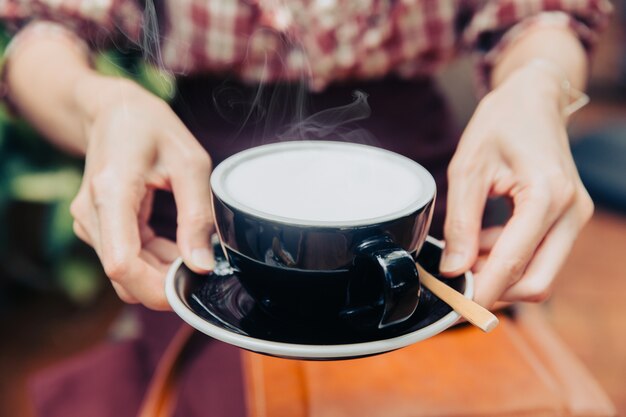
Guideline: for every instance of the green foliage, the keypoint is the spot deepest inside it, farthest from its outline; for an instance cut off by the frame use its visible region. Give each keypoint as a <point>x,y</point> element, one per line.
<point>37,243</point>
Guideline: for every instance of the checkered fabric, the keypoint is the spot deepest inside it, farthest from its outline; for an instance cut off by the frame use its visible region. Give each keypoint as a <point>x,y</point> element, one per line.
<point>320,41</point>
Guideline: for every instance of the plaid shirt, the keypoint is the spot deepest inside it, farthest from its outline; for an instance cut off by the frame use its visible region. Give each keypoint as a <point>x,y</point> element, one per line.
<point>321,41</point>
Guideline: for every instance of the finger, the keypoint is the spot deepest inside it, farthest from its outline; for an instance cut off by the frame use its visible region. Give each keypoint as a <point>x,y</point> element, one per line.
<point>537,281</point>
<point>500,305</point>
<point>123,294</point>
<point>164,250</point>
<point>467,193</point>
<point>143,281</point>
<point>479,264</point>
<point>488,238</point>
<point>514,248</point>
<point>85,224</point>
<point>148,291</point>
<point>151,259</point>
<point>117,198</point>
<point>81,233</point>
<point>190,184</point>
<point>145,209</point>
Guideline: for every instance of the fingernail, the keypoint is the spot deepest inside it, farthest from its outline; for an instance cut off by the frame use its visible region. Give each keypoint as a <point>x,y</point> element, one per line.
<point>452,261</point>
<point>202,258</point>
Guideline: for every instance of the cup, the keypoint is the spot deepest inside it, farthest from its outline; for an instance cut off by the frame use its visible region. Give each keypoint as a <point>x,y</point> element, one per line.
<point>322,230</point>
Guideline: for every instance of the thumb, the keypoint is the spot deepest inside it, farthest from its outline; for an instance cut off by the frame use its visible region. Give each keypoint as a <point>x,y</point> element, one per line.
<point>195,217</point>
<point>467,195</point>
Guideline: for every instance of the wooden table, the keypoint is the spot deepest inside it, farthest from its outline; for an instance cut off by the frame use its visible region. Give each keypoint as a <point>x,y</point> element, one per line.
<point>588,308</point>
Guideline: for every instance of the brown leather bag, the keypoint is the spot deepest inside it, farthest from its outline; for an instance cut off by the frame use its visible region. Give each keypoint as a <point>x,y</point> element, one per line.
<point>520,369</point>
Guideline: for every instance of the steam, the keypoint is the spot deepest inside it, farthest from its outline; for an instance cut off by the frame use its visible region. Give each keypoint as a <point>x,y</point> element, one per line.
<point>280,111</point>
<point>150,38</point>
<point>336,123</point>
<point>283,112</point>
<point>147,42</point>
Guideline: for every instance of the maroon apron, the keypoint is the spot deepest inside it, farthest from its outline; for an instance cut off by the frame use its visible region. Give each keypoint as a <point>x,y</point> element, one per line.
<point>408,117</point>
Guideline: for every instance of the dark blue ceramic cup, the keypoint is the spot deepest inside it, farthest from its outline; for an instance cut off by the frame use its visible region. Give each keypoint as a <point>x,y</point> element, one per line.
<point>321,230</point>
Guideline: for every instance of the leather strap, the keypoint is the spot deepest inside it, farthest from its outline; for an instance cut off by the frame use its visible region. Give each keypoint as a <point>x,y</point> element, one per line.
<point>161,394</point>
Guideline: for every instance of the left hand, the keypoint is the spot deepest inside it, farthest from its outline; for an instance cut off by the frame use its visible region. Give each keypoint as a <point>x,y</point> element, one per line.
<point>515,146</point>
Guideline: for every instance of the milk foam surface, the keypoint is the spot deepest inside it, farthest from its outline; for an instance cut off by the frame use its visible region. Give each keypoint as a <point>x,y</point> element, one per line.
<point>324,185</point>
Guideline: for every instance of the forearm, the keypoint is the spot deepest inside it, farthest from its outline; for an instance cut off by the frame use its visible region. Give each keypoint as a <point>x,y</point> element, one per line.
<point>558,46</point>
<point>52,85</point>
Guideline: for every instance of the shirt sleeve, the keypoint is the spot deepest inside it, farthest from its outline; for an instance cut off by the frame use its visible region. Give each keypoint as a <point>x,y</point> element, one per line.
<point>492,25</point>
<point>98,22</point>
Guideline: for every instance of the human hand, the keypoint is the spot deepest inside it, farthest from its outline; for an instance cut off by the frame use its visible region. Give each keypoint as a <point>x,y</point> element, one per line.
<point>515,146</point>
<point>135,145</point>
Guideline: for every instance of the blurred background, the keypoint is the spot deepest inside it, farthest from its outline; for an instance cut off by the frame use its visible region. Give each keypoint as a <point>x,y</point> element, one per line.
<point>55,301</point>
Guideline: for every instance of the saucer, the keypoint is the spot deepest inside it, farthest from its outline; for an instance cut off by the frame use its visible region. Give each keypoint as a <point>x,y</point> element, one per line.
<point>217,305</point>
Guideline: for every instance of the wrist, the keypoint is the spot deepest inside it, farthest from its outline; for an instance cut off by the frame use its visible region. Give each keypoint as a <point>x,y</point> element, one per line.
<point>572,99</point>
<point>550,83</point>
<point>532,78</point>
<point>95,93</point>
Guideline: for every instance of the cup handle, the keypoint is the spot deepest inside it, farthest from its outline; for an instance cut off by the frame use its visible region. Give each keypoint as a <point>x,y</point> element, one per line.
<point>401,285</point>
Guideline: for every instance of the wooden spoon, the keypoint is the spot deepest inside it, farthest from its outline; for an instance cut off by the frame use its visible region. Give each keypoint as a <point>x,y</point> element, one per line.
<point>473,312</point>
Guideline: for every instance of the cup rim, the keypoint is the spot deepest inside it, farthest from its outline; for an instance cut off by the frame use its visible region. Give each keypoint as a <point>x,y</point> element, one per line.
<point>222,169</point>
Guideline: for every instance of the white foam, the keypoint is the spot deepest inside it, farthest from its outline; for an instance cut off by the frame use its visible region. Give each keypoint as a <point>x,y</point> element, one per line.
<point>324,184</point>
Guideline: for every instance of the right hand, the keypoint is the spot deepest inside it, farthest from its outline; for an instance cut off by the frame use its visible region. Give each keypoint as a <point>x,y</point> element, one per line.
<point>135,145</point>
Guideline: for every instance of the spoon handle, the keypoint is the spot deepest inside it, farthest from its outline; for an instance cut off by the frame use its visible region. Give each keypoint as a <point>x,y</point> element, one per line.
<point>470,310</point>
